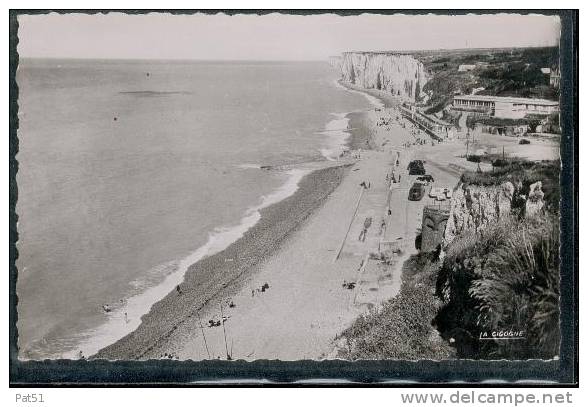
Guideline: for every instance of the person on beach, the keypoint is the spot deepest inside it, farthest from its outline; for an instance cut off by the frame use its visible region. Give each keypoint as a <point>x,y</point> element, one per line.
<point>179,289</point>
<point>360,265</point>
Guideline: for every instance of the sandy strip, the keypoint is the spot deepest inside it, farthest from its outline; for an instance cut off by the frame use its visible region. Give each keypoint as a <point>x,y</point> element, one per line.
<point>291,251</point>
<point>222,274</point>
<point>305,305</point>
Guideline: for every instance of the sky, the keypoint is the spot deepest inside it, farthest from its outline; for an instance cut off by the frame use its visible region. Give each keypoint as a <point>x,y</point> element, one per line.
<point>270,37</point>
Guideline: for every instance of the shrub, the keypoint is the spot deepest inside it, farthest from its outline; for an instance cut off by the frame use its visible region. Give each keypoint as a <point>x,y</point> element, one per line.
<point>522,174</point>
<point>533,125</point>
<point>500,162</point>
<point>497,121</point>
<point>437,107</point>
<point>505,278</point>
<point>521,288</point>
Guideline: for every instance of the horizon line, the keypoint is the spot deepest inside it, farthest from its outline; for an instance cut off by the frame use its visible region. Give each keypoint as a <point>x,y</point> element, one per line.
<point>97,58</point>
<point>285,60</point>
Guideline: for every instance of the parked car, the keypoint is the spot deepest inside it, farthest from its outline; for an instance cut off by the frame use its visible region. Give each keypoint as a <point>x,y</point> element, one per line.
<point>426,179</point>
<point>416,192</point>
<point>416,167</point>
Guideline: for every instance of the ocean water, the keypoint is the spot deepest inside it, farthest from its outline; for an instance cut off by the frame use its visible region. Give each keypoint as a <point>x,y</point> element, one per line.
<point>130,171</point>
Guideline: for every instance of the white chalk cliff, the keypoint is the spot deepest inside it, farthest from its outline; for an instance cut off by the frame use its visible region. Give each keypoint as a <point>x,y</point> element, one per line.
<point>476,207</point>
<point>399,74</point>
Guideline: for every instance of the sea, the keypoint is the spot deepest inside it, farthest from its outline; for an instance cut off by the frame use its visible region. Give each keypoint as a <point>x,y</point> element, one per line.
<point>130,171</point>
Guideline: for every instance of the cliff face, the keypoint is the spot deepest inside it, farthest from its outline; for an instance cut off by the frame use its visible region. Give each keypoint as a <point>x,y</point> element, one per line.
<point>398,74</point>
<point>475,207</point>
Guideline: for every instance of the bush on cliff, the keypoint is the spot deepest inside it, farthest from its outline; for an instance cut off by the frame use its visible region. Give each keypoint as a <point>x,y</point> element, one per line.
<point>522,173</point>
<point>504,279</point>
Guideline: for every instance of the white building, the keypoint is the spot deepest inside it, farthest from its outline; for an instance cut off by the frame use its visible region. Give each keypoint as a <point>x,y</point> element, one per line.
<point>466,68</point>
<point>505,107</point>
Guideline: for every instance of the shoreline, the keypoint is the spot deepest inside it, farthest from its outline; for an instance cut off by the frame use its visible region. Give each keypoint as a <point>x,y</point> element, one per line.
<point>208,281</point>
<point>307,275</point>
<point>219,239</point>
<point>384,100</point>
<point>306,280</point>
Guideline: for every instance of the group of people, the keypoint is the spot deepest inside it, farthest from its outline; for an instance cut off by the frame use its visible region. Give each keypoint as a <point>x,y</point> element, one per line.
<point>365,184</point>
<point>108,309</point>
<point>417,142</point>
<point>212,323</point>
<point>384,122</point>
<point>262,289</point>
<point>387,121</point>
<point>356,154</point>
<point>392,178</point>
<point>348,285</point>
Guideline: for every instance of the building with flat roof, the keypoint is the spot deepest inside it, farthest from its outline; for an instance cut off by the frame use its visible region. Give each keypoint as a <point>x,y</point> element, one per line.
<point>466,68</point>
<point>505,107</point>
